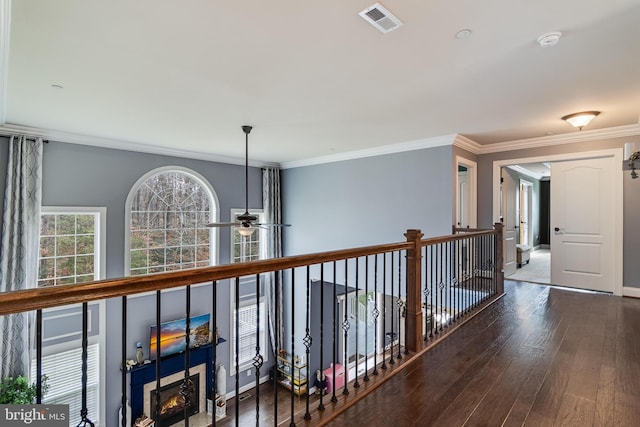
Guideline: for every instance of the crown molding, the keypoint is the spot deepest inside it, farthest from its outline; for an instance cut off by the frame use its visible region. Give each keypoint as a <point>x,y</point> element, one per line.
<point>567,138</point>
<point>418,144</point>
<point>465,143</point>
<point>116,144</point>
<point>5,32</point>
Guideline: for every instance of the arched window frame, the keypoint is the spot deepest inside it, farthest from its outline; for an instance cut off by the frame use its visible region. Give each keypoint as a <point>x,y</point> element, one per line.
<point>214,214</point>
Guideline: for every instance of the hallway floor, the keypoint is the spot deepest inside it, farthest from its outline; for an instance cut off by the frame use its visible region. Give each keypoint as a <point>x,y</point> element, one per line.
<point>537,271</point>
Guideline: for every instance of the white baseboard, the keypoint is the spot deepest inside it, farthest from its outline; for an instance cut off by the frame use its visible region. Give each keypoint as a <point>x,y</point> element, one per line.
<point>628,291</point>
<point>245,388</point>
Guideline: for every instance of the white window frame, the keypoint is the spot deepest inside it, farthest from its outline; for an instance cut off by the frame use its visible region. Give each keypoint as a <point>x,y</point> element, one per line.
<point>214,215</point>
<point>100,232</point>
<point>247,363</point>
<point>248,300</point>
<point>262,235</point>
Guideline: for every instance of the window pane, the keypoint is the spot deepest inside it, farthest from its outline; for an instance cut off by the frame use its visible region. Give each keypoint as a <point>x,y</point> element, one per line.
<point>84,245</point>
<point>84,265</point>
<point>66,224</point>
<point>65,245</point>
<point>85,224</point>
<point>174,207</point>
<point>47,246</point>
<point>47,225</point>
<point>47,268</point>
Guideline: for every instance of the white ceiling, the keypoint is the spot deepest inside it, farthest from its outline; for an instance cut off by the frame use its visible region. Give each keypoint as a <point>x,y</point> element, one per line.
<point>312,77</point>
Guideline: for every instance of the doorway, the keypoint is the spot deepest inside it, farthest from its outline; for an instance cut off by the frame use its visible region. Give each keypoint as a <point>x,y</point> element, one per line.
<point>562,254</point>
<point>465,197</point>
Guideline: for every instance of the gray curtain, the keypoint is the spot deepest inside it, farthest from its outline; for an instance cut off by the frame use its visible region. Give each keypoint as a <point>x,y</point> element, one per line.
<point>19,248</point>
<point>271,202</point>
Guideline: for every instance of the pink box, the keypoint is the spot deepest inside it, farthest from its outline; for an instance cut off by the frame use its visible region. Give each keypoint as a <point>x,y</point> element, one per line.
<point>339,380</point>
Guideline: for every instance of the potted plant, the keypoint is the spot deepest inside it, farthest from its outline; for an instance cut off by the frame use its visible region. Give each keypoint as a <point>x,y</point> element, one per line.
<point>18,391</point>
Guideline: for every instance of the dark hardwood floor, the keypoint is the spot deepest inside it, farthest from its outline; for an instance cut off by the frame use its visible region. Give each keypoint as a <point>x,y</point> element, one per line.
<point>539,356</point>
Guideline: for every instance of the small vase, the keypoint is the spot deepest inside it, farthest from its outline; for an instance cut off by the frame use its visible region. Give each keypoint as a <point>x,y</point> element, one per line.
<point>139,353</point>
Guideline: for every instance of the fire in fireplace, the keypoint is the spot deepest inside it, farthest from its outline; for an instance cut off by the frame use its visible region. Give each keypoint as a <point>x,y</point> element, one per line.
<point>172,401</point>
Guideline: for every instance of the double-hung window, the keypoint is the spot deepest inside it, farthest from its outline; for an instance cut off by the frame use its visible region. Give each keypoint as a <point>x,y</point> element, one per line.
<point>72,251</point>
<point>251,316</point>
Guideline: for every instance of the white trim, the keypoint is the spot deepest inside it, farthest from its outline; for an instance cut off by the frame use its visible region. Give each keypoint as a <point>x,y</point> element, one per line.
<point>467,144</point>
<point>617,154</point>
<point>117,144</point>
<point>523,171</point>
<point>472,169</point>
<point>628,291</point>
<point>5,43</point>
<point>567,138</point>
<point>419,144</point>
<point>213,232</point>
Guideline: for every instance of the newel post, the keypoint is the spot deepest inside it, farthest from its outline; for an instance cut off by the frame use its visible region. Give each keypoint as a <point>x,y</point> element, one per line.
<point>499,227</point>
<point>413,333</point>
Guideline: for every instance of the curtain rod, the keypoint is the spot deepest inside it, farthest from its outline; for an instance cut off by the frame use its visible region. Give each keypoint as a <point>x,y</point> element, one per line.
<point>46,141</point>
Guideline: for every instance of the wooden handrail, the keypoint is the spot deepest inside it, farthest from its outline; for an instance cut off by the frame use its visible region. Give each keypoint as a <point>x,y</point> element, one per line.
<point>40,298</point>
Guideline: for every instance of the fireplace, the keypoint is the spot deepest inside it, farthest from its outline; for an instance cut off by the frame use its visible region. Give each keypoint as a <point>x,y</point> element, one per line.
<point>172,401</point>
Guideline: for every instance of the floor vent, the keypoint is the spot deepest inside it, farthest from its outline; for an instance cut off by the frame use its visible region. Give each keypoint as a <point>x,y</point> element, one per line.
<point>380,18</point>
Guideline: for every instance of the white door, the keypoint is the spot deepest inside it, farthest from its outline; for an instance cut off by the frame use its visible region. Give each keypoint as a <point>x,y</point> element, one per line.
<point>526,197</point>
<point>582,224</point>
<point>509,219</point>
<point>464,193</point>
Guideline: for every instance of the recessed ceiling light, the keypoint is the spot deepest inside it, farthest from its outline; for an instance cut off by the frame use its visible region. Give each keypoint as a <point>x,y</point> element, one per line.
<point>57,87</point>
<point>463,34</point>
<point>549,39</point>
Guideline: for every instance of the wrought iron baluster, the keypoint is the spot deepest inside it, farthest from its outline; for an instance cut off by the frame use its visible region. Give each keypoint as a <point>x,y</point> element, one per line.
<point>321,404</point>
<point>392,332</point>
<point>345,326</point>
<point>84,412</point>
<point>356,384</point>
<point>307,341</point>
<point>400,304</point>
<point>123,357</point>
<point>384,311</point>
<point>258,359</point>
<point>186,388</point>
<point>334,331</point>
<point>375,314</point>
<point>292,423</point>
<point>156,415</point>
<point>425,292</point>
<point>39,359</point>
<point>366,331</point>
<point>214,374</point>
<point>237,350</point>
<point>279,345</point>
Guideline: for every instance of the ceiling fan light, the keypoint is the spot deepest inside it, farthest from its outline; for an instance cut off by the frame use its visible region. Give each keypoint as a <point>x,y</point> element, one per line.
<point>580,120</point>
<point>246,231</point>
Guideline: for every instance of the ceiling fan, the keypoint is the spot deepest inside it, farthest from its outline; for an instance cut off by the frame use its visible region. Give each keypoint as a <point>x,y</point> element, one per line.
<point>246,221</point>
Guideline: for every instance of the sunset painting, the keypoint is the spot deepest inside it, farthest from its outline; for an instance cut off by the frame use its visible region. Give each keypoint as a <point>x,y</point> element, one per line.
<point>172,335</point>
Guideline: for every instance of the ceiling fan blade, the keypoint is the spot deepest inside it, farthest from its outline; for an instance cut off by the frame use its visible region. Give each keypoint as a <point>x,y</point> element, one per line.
<point>223,224</point>
<point>272,225</point>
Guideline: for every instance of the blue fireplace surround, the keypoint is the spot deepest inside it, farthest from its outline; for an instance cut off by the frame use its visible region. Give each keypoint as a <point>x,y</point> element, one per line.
<point>141,375</point>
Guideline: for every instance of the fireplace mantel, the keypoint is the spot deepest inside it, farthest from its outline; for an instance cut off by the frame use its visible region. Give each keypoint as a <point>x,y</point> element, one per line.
<point>140,375</point>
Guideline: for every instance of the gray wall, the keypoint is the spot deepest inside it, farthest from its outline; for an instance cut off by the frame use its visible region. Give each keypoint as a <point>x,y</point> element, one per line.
<point>367,201</point>
<point>77,175</point>
<point>631,245</point>
<point>363,202</point>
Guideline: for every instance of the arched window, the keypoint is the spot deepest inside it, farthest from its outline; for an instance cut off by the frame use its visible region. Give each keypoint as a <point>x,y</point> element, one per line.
<point>168,209</point>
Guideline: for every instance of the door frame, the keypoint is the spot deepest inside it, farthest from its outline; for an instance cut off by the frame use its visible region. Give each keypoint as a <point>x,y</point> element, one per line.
<point>617,154</point>
<point>472,175</point>
<point>524,183</point>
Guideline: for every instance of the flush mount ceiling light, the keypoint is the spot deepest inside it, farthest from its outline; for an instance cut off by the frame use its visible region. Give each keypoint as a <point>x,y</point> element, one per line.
<point>463,34</point>
<point>580,120</point>
<point>549,39</point>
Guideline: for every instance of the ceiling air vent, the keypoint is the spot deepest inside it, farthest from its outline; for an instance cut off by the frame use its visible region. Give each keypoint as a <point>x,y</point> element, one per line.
<point>380,18</point>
